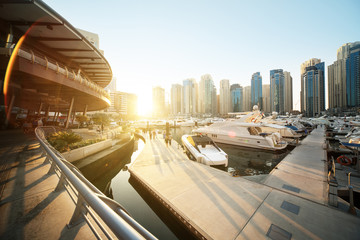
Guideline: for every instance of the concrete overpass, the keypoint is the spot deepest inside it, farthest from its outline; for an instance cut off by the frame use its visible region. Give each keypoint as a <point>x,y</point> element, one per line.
<point>46,64</point>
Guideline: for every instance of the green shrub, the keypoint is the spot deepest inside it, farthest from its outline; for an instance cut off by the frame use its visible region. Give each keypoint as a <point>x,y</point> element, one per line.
<point>84,143</point>
<point>65,141</point>
<point>61,140</point>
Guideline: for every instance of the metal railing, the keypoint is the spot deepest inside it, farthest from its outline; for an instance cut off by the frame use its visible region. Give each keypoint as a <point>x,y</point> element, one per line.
<point>57,67</point>
<point>92,205</point>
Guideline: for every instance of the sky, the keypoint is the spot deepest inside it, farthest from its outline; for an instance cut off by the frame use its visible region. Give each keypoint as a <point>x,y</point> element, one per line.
<point>159,43</point>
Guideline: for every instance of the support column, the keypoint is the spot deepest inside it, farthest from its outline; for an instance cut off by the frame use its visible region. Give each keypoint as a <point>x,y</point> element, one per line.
<point>40,107</point>
<point>57,116</point>
<point>9,109</point>
<point>69,113</point>
<point>9,39</point>
<point>47,113</point>
<point>85,110</point>
<point>73,116</point>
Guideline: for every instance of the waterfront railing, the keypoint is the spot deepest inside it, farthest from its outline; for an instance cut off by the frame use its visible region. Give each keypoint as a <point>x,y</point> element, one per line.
<point>100,212</point>
<point>48,63</point>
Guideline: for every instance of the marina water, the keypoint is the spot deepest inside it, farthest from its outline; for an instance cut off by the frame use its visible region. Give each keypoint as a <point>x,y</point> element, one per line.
<point>149,212</point>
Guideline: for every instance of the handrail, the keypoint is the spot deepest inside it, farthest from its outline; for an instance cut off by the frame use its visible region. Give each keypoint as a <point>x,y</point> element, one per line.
<point>110,212</point>
<point>55,66</point>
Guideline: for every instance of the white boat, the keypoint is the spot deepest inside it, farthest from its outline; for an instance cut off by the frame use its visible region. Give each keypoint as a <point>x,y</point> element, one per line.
<point>185,123</point>
<point>204,150</point>
<point>284,132</point>
<point>243,134</point>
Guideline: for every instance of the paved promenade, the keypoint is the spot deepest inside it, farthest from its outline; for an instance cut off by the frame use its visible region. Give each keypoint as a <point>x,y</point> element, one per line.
<point>303,172</point>
<point>215,205</point>
<point>29,207</point>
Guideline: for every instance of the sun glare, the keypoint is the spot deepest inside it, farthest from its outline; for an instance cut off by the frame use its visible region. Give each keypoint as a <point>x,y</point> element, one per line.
<point>144,105</point>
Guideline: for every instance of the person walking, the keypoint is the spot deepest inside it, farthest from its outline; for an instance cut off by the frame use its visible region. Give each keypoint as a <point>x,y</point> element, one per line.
<point>167,140</point>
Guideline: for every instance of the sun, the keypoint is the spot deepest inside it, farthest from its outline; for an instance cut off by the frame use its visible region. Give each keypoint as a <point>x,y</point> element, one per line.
<point>144,105</point>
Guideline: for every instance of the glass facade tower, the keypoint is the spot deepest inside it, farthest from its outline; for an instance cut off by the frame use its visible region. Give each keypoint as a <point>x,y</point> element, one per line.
<point>236,98</point>
<point>353,77</point>
<point>256,90</point>
<point>314,90</point>
<point>277,92</point>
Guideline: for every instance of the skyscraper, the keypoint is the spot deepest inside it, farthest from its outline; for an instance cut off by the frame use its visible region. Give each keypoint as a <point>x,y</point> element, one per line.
<point>124,104</point>
<point>353,76</point>
<point>236,92</point>
<point>280,91</point>
<point>247,99</point>
<point>256,90</point>
<point>303,67</point>
<point>224,100</point>
<point>266,98</point>
<point>207,95</point>
<point>288,101</point>
<point>189,97</point>
<point>176,90</point>
<point>343,78</point>
<point>158,102</point>
<point>314,89</point>
<point>277,93</point>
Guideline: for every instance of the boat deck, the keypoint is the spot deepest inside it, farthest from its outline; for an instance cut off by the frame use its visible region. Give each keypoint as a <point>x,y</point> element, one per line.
<point>215,205</point>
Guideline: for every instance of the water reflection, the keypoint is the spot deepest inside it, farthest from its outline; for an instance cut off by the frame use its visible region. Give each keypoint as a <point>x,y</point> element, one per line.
<point>118,184</point>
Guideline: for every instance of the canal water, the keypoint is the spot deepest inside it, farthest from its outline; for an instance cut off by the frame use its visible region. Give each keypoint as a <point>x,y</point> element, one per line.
<point>146,210</point>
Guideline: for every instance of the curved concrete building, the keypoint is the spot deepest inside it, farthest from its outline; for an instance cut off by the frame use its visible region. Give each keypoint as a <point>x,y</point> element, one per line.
<point>46,64</point>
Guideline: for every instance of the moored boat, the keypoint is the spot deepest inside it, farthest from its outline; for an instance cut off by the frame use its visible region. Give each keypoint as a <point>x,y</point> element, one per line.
<point>203,150</point>
<point>243,134</point>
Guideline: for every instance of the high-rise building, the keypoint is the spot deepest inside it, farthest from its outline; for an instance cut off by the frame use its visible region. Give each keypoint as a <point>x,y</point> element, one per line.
<point>236,98</point>
<point>337,85</point>
<point>353,76</point>
<point>207,95</point>
<point>247,99</point>
<point>189,97</point>
<point>124,104</point>
<point>288,88</point>
<point>158,102</point>
<point>303,67</point>
<point>224,101</point>
<point>343,78</point>
<point>266,98</point>
<point>256,90</point>
<point>313,89</point>
<point>280,91</point>
<point>277,91</point>
<point>92,38</point>
<point>176,90</point>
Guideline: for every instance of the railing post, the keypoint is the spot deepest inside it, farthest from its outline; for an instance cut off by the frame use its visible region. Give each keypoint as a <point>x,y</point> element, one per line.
<point>52,168</point>
<point>78,212</point>
<point>61,184</point>
<point>352,209</point>
<point>47,159</point>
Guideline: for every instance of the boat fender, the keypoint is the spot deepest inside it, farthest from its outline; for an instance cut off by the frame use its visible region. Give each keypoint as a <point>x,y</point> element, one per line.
<point>344,160</point>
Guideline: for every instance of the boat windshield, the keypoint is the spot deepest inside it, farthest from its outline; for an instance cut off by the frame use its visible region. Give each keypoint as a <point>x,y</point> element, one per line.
<point>254,130</point>
<point>203,142</point>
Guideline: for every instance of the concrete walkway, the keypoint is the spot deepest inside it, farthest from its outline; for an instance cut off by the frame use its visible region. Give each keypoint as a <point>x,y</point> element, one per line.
<point>303,172</point>
<point>215,205</point>
<point>29,207</point>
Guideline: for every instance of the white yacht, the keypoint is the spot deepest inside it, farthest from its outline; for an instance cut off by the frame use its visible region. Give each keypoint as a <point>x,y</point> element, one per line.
<point>185,123</point>
<point>284,131</point>
<point>243,134</point>
<point>204,150</point>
